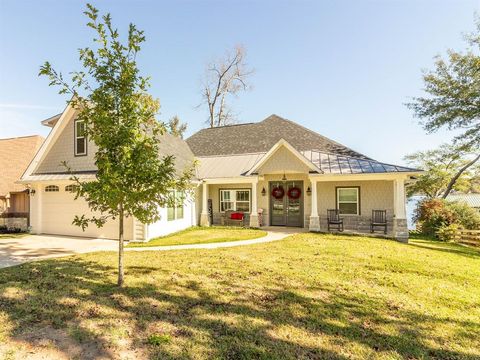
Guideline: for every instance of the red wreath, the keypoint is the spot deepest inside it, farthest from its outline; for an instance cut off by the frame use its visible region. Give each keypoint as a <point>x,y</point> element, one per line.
<point>294,193</point>
<point>278,192</point>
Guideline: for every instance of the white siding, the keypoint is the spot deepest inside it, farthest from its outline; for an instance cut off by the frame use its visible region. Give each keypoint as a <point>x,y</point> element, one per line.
<point>165,227</point>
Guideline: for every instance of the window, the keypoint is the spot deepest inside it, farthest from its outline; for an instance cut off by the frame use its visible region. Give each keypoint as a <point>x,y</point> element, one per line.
<point>237,200</point>
<point>80,139</point>
<point>175,209</point>
<point>51,188</point>
<point>71,188</point>
<point>348,200</point>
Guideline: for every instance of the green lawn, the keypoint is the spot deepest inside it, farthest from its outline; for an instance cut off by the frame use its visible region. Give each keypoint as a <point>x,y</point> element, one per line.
<point>311,296</point>
<point>12,236</point>
<point>202,235</point>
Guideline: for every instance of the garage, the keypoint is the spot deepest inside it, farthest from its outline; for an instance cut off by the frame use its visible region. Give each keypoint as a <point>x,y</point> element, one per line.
<point>59,209</point>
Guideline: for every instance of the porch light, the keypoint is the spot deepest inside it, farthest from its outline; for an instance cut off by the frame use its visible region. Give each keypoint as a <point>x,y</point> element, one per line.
<point>284,178</point>
<point>309,191</point>
<point>31,192</point>
<point>264,192</point>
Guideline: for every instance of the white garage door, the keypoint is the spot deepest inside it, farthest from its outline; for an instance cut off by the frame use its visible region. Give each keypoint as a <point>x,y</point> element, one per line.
<point>59,209</point>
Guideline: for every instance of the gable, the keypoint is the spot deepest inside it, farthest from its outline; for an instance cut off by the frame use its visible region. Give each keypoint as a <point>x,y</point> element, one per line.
<point>283,161</point>
<point>62,149</point>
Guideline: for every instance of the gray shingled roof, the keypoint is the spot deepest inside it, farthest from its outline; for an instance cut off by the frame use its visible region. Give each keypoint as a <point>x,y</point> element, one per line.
<point>260,137</point>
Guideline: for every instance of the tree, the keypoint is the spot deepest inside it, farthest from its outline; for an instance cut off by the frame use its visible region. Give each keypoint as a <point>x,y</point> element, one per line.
<point>225,78</point>
<point>176,127</point>
<point>119,117</point>
<point>447,168</point>
<point>453,93</point>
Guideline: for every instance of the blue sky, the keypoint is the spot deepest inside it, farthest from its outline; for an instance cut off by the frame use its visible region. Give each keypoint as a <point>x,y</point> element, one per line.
<point>341,68</point>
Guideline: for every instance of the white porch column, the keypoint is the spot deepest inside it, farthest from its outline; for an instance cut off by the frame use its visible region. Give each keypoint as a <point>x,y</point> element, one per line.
<point>204,220</point>
<point>36,209</point>
<point>254,211</point>
<point>400,228</point>
<point>314,219</point>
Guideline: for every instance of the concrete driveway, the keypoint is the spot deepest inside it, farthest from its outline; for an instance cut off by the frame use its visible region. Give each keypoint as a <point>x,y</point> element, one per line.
<point>37,247</point>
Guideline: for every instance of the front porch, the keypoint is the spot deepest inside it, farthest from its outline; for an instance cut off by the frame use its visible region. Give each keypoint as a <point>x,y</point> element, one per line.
<point>355,195</point>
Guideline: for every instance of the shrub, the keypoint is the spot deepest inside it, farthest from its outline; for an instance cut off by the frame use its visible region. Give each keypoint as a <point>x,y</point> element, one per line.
<point>467,216</point>
<point>447,233</point>
<point>434,214</point>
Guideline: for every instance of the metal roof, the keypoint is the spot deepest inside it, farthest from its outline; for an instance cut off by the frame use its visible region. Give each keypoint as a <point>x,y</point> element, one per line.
<point>340,164</point>
<point>237,165</point>
<point>472,200</point>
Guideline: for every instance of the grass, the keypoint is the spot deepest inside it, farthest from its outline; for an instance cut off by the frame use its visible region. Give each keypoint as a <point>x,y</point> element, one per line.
<point>12,235</point>
<point>310,296</point>
<point>202,235</point>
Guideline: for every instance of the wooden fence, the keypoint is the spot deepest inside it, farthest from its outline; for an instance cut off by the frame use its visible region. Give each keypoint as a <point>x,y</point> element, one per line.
<point>469,237</point>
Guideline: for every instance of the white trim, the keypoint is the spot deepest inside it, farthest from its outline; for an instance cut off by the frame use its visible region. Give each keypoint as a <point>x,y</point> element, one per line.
<point>359,177</point>
<point>76,137</point>
<point>357,189</point>
<point>67,114</point>
<point>275,148</point>
<point>234,199</point>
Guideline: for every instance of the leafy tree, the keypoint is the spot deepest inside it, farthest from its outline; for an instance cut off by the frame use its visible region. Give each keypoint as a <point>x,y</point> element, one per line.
<point>447,168</point>
<point>453,93</point>
<point>119,116</point>
<point>225,78</point>
<point>176,127</point>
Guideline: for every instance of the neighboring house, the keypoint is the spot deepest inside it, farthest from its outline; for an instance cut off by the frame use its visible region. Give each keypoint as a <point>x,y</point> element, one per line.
<point>254,166</point>
<point>285,172</point>
<point>53,206</point>
<point>471,199</point>
<point>15,155</point>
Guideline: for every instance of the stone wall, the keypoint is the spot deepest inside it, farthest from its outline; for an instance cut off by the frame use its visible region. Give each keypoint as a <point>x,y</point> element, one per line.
<point>14,222</point>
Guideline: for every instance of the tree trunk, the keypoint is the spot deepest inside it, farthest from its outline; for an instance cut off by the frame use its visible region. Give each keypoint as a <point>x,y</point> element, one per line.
<point>120,248</point>
<point>457,175</point>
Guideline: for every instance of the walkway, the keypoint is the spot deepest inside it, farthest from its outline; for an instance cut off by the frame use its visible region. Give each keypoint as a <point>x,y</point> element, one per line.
<point>273,234</point>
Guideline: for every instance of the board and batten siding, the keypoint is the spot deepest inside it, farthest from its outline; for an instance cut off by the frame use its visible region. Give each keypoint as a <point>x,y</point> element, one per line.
<point>283,161</point>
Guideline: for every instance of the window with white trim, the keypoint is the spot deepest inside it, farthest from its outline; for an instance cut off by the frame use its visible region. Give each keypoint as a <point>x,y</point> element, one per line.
<point>80,138</point>
<point>237,200</point>
<point>175,209</point>
<point>348,200</point>
<point>52,188</point>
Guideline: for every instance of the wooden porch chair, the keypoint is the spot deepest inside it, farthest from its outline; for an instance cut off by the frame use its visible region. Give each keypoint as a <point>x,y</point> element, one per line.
<point>334,219</point>
<point>227,218</point>
<point>379,219</point>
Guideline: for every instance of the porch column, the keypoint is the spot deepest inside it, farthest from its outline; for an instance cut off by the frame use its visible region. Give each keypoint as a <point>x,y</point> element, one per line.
<point>314,219</point>
<point>36,209</point>
<point>204,220</point>
<point>254,211</point>
<point>400,228</point>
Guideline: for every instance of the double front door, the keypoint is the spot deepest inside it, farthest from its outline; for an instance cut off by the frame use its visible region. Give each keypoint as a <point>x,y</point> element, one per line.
<point>286,203</point>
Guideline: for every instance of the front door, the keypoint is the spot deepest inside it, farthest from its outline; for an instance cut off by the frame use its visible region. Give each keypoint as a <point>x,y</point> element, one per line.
<point>286,203</point>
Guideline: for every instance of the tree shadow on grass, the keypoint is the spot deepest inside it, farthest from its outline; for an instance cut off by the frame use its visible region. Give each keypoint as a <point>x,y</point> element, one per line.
<point>59,300</point>
<point>435,245</point>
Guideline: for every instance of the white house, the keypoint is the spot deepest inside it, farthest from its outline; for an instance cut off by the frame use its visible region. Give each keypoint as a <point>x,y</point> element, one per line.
<point>274,172</point>
<point>52,202</point>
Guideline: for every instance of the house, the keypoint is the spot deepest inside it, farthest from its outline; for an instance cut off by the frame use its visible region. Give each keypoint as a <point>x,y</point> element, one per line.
<point>294,176</point>
<point>15,155</point>
<point>274,172</point>
<point>471,199</point>
<point>52,199</point>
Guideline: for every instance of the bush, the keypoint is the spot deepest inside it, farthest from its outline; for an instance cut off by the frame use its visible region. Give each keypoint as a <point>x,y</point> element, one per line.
<point>447,233</point>
<point>434,214</point>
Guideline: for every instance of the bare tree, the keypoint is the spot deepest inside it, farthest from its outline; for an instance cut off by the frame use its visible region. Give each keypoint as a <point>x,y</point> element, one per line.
<point>224,78</point>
